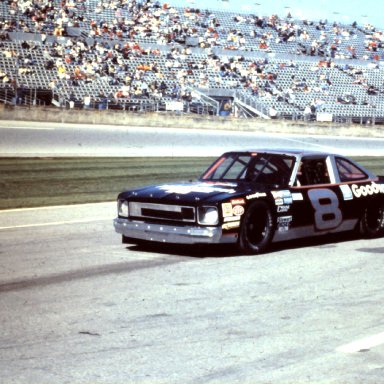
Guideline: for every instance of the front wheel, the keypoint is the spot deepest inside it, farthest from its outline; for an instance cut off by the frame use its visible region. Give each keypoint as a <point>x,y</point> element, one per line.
<point>372,221</point>
<point>256,229</point>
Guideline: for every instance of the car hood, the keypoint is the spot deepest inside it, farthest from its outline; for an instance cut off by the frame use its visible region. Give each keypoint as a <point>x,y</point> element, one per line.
<point>191,192</point>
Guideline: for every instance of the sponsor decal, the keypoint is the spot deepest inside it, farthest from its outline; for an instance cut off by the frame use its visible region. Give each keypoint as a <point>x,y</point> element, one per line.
<point>297,196</point>
<point>235,224</point>
<point>230,218</point>
<point>256,195</point>
<point>227,209</point>
<point>230,210</point>
<point>238,210</point>
<point>199,188</point>
<point>283,223</point>
<point>284,219</point>
<point>279,201</point>
<point>367,190</point>
<point>282,197</point>
<point>347,192</point>
<point>237,201</point>
<point>283,208</point>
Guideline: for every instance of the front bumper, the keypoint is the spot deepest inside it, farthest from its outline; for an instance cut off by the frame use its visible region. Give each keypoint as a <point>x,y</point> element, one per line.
<point>169,233</point>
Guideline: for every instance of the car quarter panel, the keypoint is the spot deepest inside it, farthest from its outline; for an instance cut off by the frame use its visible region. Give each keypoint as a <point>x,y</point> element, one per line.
<point>326,208</point>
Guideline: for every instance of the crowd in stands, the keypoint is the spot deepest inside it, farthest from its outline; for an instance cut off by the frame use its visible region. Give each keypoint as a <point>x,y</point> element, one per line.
<point>132,49</point>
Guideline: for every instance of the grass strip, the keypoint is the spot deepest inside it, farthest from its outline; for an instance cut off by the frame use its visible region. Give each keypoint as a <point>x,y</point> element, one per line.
<point>32,182</point>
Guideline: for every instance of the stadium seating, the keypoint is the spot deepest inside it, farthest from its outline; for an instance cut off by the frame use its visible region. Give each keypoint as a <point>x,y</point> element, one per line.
<point>112,54</point>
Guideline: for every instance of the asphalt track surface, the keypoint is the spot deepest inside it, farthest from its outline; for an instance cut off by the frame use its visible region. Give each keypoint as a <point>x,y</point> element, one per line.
<point>47,139</point>
<point>77,306</point>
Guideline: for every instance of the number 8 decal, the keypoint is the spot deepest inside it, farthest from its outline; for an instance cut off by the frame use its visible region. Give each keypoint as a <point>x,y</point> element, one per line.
<point>326,205</point>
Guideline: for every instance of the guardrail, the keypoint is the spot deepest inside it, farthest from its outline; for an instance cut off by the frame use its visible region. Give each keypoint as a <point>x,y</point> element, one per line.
<point>245,106</point>
<point>248,102</point>
<point>22,96</point>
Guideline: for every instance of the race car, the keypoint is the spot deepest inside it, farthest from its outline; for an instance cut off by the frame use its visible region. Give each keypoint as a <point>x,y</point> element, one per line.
<point>257,197</point>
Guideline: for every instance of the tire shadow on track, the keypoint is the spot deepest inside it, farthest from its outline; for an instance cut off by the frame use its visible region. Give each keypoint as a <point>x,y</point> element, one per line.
<point>90,272</point>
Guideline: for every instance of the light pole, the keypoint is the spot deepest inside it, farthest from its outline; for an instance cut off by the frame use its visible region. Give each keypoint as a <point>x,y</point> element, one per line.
<point>336,18</point>
<point>258,13</point>
<point>295,26</point>
<point>364,18</point>
<point>288,15</point>
<point>17,57</point>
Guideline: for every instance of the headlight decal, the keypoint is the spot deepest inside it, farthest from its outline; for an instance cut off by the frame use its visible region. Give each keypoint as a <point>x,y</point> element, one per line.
<point>208,215</point>
<point>122,208</point>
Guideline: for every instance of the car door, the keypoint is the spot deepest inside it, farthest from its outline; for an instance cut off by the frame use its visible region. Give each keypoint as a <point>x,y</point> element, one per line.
<point>320,204</point>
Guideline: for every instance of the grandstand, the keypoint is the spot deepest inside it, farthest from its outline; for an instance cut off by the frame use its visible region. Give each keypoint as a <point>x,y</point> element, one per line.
<point>148,56</point>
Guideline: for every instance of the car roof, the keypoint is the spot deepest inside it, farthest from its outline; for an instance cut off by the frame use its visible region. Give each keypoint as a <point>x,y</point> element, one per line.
<point>291,152</point>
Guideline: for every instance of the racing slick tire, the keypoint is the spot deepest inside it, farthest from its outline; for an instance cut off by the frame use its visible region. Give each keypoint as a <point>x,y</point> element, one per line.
<point>257,228</point>
<point>372,221</point>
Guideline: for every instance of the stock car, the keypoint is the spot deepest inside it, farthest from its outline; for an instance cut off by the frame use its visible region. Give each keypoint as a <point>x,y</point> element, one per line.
<point>257,197</point>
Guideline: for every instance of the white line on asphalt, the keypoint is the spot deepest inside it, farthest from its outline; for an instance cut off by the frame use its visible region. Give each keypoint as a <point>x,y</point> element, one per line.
<point>363,344</point>
<point>55,223</point>
<point>55,207</point>
<point>30,128</point>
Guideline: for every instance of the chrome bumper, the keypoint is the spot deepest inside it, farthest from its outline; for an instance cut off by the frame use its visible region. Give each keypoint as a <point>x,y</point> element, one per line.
<point>169,233</point>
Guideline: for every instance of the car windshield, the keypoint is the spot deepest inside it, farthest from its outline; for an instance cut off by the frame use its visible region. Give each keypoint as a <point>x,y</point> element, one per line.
<point>268,168</point>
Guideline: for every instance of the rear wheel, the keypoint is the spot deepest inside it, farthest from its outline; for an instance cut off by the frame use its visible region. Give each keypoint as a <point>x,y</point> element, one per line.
<point>257,228</point>
<point>372,221</point>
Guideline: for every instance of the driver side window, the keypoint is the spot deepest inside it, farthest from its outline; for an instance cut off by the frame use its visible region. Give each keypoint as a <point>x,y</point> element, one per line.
<point>312,172</point>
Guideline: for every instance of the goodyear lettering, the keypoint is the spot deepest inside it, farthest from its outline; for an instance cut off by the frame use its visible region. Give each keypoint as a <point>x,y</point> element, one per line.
<point>367,190</point>
<point>256,195</point>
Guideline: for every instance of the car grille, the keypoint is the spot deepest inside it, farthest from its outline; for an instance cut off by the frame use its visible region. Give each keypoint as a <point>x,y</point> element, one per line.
<point>162,212</point>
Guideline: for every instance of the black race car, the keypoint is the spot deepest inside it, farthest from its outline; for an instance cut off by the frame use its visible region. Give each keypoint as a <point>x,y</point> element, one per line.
<point>253,198</point>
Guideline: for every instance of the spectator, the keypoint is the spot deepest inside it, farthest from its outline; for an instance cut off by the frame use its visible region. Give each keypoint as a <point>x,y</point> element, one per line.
<point>78,61</point>
<point>72,100</point>
<point>272,113</point>
<point>226,108</point>
<point>103,102</point>
<point>87,102</point>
